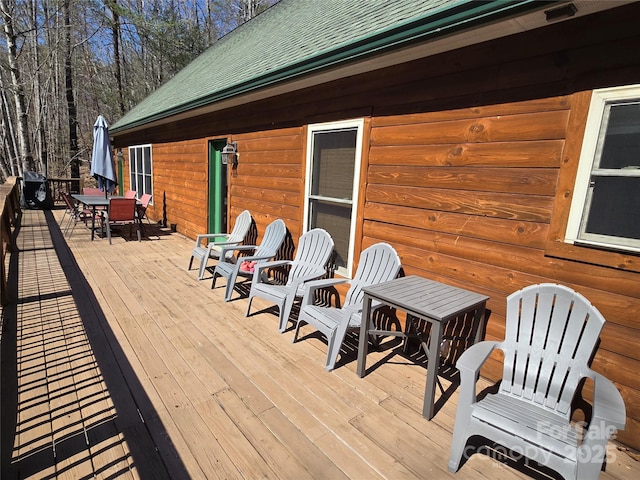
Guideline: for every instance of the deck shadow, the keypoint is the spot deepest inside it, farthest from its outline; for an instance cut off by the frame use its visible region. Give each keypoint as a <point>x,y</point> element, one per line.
<point>127,393</point>
<point>8,365</point>
<point>132,419</point>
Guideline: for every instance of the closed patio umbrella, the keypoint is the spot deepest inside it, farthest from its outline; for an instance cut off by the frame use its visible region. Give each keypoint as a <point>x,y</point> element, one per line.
<point>101,160</point>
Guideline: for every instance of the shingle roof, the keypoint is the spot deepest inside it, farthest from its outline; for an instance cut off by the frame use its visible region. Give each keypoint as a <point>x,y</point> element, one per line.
<point>296,37</point>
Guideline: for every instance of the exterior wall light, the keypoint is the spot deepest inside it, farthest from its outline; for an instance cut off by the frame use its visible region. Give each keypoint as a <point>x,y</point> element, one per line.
<point>229,154</point>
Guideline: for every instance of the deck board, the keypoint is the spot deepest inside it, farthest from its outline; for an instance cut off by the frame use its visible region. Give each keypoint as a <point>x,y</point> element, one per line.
<point>132,368</point>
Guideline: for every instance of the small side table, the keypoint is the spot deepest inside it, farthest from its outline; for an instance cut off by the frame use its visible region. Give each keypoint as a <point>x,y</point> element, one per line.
<point>432,301</point>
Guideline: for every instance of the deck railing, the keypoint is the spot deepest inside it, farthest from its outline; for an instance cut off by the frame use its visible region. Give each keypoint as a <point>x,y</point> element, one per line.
<point>67,185</point>
<point>10,208</point>
<point>10,193</point>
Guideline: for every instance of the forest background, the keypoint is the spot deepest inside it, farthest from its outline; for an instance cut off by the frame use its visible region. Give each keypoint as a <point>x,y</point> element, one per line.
<point>67,61</point>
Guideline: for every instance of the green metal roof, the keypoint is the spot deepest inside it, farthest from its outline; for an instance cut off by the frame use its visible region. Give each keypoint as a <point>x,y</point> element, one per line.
<point>300,37</point>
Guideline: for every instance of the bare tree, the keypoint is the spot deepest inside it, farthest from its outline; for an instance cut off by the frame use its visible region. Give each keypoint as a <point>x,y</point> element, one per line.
<point>71,104</point>
<point>38,96</point>
<point>9,147</point>
<point>67,61</point>
<point>117,64</point>
<point>26,157</point>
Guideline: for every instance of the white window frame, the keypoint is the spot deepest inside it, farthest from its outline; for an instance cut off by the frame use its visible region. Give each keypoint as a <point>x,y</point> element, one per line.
<point>358,124</point>
<point>133,152</point>
<point>579,202</point>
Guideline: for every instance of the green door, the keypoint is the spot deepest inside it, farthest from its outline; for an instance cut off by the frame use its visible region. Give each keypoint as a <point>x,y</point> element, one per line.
<point>217,214</point>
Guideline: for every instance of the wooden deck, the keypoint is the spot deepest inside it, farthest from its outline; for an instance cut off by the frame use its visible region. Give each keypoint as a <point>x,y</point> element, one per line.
<point>117,363</point>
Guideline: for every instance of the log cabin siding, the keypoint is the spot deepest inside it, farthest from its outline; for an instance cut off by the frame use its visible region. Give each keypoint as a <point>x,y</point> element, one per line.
<point>468,170</point>
<point>486,228</point>
<point>269,178</point>
<point>180,178</point>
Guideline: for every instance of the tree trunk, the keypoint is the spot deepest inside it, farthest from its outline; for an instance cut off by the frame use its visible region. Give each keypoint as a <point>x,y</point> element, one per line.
<point>68,81</point>
<point>9,138</point>
<point>41,143</point>
<point>115,31</point>
<point>26,157</point>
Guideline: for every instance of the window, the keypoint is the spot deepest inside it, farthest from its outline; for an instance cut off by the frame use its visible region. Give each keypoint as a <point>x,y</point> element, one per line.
<point>140,169</point>
<point>331,191</point>
<point>606,201</point>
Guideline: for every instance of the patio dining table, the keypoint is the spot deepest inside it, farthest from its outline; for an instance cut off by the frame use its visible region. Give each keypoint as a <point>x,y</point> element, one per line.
<point>94,201</point>
<point>425,299</point>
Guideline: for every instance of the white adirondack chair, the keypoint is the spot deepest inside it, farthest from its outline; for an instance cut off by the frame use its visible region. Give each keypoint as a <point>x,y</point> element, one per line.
<point>314,250</point>
<point>551,334</point>
<point>215,242</point>
<point>378,263</point>
<point>273,237</point>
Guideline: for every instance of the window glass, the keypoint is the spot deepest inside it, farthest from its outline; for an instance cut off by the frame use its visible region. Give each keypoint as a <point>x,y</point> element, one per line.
<point>335,219</point>
<point>621,143</point>
<point>615,208</point>
<point>333,164</point>
<point>132,171</point>
<point>147,159</point>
